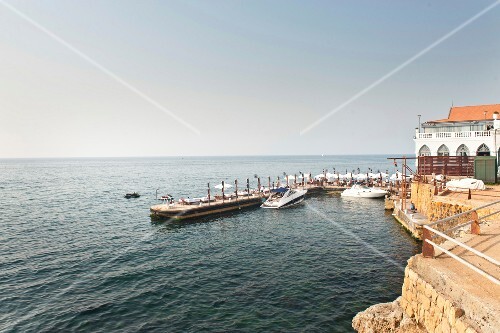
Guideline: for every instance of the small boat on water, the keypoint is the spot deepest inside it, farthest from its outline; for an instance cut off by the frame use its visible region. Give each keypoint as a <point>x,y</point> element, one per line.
<point>284,197</point>
<point>132,195</point>
<point>360,191</point>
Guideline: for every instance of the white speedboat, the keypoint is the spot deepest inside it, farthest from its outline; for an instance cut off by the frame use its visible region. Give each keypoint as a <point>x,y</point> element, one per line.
<point>360,191</point>
<point>283,197</point>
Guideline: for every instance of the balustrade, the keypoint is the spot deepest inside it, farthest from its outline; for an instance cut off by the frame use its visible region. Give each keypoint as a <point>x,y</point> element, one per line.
<point>444,135</point>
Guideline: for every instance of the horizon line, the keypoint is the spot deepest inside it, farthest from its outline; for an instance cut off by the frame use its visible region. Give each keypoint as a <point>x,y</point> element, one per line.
<point>190,156</point>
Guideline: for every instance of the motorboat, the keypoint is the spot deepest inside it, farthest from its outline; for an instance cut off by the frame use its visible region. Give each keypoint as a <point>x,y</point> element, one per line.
<point>360,191</point>
<point>132,195</point>
<point>283,197</point>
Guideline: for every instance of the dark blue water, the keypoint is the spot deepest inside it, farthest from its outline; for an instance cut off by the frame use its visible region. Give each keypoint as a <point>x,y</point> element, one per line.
<point>77,256</point>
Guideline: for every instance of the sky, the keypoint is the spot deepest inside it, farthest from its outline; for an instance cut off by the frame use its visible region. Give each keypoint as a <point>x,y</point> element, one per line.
<point>195,78</point>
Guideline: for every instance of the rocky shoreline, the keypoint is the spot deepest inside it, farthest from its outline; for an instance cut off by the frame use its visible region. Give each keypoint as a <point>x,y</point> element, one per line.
<point>386,317</point>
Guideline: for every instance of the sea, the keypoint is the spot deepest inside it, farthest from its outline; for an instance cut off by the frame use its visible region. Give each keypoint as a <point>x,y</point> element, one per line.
<point>76,256</point>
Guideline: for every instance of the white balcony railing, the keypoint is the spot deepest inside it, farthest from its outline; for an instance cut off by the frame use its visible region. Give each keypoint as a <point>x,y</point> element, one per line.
<point>444,135</point>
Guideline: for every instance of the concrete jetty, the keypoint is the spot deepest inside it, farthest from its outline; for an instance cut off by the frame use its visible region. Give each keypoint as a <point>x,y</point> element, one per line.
<point>217,206</point>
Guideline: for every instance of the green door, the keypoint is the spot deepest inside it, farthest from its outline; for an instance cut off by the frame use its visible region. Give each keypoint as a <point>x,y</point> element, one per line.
<point>485,168</point>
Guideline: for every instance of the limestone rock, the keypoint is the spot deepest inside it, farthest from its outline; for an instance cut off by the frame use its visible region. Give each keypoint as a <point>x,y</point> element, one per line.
<point>385,318</point>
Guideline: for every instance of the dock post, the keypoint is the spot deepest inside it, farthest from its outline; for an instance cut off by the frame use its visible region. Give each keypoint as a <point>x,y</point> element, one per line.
<point>236,188</point>
<point>474,227</point>
<point>269,182</point>
<point>427,249</point>
<point>208,188</point>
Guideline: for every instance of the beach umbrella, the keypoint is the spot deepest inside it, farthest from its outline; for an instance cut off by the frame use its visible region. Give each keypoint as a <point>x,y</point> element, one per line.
<point>361,176</point>
<point>219,186</point>
<point>398,176</point>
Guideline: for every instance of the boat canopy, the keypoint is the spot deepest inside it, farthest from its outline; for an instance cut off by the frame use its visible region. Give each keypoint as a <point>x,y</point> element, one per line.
<point>279,190</point>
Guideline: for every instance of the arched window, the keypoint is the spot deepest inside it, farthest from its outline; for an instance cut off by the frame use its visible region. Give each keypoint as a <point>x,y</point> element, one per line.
<point>483,150</point>
<point>424,151</point>
<point>443,151</point>
<point>462,150</point>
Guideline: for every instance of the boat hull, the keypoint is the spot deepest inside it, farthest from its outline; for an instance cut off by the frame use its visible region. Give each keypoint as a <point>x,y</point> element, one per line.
<point>364,192</point>
<point>364,195</point>
<point>286,202</point>
<point>286,205</point>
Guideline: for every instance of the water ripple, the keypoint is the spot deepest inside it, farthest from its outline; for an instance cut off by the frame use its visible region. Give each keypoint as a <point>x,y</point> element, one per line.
<point>77,256</point>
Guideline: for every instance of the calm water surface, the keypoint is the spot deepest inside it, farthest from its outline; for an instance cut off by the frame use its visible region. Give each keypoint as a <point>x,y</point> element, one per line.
<point>77,256</point>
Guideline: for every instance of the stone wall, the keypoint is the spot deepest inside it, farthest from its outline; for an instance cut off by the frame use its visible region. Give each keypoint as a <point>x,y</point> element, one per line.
<point>430,309</point>
<point>436,207</point>
<point>420,308</point>
<point>422,196</point>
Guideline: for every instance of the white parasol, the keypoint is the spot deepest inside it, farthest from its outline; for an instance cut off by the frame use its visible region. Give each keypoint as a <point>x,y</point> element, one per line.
<point>219,186</point>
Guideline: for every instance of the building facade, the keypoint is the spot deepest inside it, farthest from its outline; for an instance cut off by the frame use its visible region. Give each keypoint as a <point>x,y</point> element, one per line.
<point>468,131</point>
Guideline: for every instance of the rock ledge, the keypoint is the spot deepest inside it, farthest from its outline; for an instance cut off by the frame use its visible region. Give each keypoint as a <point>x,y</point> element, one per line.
<point>385,318</point>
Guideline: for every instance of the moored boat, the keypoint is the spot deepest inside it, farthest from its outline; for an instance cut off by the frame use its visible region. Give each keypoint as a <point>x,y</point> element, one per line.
<point>284,197</point>
<point>359,191</point>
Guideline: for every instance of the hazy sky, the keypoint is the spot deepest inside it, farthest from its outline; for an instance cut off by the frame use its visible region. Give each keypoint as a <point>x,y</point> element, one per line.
<point>249,75</point>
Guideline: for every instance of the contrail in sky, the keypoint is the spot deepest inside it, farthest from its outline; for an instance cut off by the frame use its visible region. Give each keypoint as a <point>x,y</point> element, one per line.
<point>100,67</point>
<point>399,68</point>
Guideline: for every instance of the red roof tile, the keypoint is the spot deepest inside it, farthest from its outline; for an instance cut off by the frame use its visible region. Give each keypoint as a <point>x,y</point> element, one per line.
<point>470,113</point>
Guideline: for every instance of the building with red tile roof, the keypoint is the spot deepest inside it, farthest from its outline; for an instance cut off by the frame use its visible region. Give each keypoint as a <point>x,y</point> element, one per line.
<point>470,113</point>
<point>468,131</point>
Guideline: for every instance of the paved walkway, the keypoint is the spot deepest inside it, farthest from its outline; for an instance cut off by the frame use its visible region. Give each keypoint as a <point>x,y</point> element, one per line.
<point>488,242</point>
<point>477,295</point>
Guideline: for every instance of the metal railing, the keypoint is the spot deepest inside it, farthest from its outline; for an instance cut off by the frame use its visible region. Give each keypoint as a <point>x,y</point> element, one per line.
<point>441,135</point>
<point>430,233</point>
